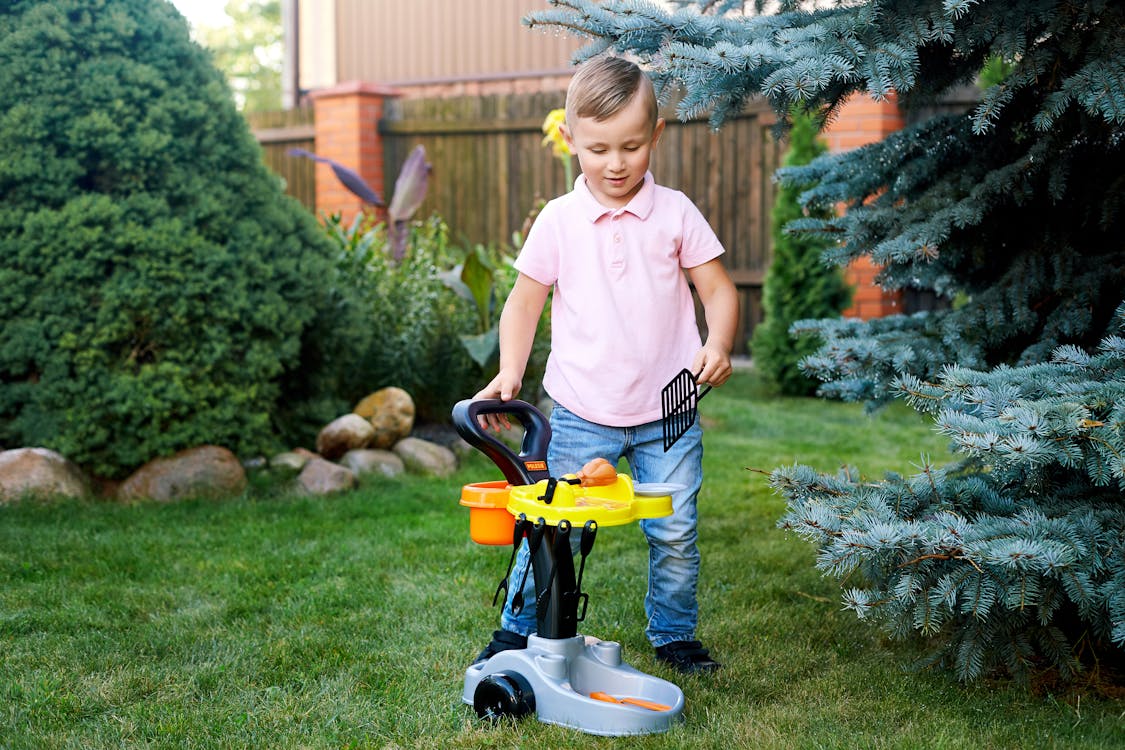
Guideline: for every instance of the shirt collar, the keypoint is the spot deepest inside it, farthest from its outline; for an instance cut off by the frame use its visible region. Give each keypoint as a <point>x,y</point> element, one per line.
<point>640,206</point>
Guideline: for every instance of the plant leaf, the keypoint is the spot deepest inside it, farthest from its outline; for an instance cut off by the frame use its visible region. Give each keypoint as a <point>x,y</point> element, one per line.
<point>410,186</point>
<point>348,177</point>
<point>452,279</point>
<point>477,276</point>
<point>482,347</point>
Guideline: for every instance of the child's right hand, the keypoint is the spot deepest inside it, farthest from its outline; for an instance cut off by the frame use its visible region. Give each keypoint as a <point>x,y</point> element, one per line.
<point>505,386</point>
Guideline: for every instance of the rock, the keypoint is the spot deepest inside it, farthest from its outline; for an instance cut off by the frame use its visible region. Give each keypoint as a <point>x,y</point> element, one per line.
<point>391,412</point>
<point>343,434</point>
<point>320,477</point>
<point>41,473</point>
<point>368,461</point>
<point>442,434</point>
<point>205,471</point>
<point>423,457</point>
<point>291,461</point>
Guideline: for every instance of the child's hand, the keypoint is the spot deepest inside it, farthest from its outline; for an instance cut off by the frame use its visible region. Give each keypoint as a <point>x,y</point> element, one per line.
<point>505,386</point>
<point>713,366</point>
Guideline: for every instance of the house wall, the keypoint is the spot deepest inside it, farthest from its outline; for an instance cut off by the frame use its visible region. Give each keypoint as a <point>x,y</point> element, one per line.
<point>427,42</point>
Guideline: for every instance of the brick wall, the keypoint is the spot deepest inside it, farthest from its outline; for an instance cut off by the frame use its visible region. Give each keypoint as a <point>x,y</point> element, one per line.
<point>346,129</point>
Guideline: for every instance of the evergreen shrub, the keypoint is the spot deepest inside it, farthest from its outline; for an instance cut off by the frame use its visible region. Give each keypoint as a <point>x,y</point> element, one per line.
<point>799,283</point>
<point>157,289</point>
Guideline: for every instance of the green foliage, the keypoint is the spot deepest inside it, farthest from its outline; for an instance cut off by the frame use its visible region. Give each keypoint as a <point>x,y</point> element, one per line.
<point>485,278</point>
<point>474,280</point>
<point>799,284</point>
<point>414,322</point>
<point>157,289</point>
<point>1010,558</point>
<point>998,552</point>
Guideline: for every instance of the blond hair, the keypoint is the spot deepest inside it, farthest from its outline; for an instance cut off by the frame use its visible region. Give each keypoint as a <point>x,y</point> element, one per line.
<point>602,87</point>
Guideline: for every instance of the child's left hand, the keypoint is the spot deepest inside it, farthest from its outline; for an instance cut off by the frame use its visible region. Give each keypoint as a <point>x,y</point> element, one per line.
<point>712,365</point>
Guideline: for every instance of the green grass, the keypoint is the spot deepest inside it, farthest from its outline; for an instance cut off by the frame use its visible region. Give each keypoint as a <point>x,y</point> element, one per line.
<point>275,621</point>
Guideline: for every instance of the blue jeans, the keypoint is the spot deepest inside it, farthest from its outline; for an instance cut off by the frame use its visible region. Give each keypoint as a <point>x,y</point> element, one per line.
<point>673,557</point>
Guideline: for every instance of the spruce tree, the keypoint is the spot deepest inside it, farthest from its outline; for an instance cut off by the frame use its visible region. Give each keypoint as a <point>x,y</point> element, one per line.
<point>1009,557</point>
<point>799,285</point>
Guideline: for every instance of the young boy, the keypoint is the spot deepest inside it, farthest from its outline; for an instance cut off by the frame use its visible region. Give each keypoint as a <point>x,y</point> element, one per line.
<point>623,324</point>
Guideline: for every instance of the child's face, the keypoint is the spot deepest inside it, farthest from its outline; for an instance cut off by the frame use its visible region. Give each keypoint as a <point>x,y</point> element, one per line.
<point>614,153</point>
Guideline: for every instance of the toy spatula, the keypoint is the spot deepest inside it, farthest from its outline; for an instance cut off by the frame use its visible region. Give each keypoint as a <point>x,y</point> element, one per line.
<point>678,406</point>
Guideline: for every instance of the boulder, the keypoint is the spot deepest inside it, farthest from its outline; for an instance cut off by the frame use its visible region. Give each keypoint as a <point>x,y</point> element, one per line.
<point>320,477</point>
<point>39,472</point>
<point>343,434</point>
<point>442,434</point>
<point>391,412</point>
<point>423,457</point>
<point>369,461</point>
<point>291,461</point>
<point>205,471</point>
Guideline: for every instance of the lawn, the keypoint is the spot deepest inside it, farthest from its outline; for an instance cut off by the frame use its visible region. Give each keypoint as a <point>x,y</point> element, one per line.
<point>275,621</point>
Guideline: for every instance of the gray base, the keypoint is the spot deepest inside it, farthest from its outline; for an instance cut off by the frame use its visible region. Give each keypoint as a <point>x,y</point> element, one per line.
<point>563,672</point>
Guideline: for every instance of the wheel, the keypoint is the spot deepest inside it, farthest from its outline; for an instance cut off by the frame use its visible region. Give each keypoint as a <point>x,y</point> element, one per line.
<point>503,694</point>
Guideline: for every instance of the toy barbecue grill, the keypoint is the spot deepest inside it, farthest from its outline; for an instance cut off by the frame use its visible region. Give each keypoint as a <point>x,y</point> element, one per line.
<point>563,677</point>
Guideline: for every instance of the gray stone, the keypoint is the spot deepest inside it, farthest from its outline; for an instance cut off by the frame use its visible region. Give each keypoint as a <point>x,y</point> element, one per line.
<point>290,461</point>
<point>442,434</point>
<point>320,477</point>
<point>371,461</point>
<point>205,471</point>
<point>422,457</point>
<point>343,434</point>
<point>40,473</point>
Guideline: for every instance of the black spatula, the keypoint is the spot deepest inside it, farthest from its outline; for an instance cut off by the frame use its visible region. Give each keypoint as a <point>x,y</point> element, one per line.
<point>678,406</point>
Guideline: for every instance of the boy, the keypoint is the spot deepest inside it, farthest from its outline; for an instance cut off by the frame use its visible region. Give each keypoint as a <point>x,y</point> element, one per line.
<point>623,324</point>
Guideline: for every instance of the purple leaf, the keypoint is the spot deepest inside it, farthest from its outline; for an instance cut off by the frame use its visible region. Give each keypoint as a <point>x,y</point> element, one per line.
<point>348,177</point>
<point>410,187</point>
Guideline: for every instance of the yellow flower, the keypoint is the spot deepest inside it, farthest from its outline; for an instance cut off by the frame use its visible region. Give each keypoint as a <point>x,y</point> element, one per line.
<point>554,137</point>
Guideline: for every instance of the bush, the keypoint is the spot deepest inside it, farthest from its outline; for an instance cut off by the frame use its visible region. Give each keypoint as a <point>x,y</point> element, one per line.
<point>423,327</point>
<point>414,321</point>
<point>157,288</point>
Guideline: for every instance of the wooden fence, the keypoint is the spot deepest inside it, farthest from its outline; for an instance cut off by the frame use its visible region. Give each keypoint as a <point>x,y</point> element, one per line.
<point>278,132</point>
<point>490,168</point>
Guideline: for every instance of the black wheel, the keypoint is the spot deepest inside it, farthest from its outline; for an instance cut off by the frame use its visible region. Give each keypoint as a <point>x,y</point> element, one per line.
<point>503,694</point>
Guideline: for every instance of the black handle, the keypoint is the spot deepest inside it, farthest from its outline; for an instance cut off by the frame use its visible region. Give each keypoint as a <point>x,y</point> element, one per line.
<point>530,465</point>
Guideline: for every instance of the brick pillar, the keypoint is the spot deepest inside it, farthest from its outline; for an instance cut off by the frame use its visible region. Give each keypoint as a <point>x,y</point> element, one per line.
<point>861,121</point>
<point>347,131</point>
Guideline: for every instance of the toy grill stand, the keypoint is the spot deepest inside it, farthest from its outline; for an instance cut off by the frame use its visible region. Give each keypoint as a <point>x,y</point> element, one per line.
<point>556,674</point>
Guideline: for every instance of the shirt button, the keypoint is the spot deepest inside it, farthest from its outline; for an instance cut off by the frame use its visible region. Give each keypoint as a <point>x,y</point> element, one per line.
<point>617,238</point>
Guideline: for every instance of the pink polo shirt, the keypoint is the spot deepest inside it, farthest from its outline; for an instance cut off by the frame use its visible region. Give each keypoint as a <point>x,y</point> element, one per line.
<point>622,317</point>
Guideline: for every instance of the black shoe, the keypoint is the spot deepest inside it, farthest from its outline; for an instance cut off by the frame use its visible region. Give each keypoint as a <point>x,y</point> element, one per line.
<point>688,657</point>
<point>502,640</point>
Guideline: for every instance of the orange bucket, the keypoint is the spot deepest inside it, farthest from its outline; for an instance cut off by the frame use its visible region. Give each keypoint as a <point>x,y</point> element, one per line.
<point>489,519</point>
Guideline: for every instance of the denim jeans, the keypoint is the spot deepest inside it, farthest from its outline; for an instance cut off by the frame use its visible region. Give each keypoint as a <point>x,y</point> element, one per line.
<point>673,557</point>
